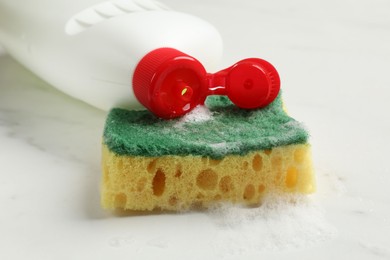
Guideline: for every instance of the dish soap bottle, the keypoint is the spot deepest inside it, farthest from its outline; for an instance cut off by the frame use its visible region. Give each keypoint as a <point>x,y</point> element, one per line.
<point>129,53</point>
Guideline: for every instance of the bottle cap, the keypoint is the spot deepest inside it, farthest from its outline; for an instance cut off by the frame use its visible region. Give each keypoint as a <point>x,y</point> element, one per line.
<point>171,83</point>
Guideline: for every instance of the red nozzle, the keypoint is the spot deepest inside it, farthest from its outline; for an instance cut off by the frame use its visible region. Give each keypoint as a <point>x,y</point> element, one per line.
<point>170,83</point>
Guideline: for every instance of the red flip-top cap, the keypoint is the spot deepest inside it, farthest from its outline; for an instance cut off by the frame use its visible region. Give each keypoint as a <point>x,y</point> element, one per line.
<point>250,83</point>
<point>170,83</point>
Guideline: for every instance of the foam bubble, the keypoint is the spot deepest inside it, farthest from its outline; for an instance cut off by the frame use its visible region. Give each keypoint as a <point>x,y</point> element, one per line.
<point>197,115</point>
<point>282,222</point>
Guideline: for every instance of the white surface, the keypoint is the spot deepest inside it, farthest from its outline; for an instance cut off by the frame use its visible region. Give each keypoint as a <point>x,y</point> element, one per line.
<point>333,58</point>
<point>91,54</point>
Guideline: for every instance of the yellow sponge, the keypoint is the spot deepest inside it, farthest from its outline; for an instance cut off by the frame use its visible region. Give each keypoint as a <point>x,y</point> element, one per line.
<point>222,154</point>
<point>181,182</point>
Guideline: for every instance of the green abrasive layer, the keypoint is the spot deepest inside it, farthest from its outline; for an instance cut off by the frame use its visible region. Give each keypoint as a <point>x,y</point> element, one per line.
<point>224,130</point>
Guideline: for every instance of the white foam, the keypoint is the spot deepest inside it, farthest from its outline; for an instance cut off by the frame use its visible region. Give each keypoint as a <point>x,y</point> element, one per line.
<point>219,146</point>
<point>282,222</point>
<point>197,115</point>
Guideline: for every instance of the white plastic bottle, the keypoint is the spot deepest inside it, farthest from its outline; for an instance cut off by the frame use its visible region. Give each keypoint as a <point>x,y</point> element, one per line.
<point>89,49</point>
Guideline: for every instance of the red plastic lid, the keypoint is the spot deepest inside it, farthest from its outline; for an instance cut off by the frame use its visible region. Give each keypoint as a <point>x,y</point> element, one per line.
<point>170,83</point>
<point>252,83</point>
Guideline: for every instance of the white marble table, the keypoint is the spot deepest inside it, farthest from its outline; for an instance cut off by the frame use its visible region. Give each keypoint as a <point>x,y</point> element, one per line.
<point>334,60</point>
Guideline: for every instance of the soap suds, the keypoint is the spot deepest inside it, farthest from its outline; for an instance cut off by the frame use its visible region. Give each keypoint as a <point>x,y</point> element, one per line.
<point>282,222</point>
<point>224,147</point>
<point>219,147</point>
<point>197,115</point>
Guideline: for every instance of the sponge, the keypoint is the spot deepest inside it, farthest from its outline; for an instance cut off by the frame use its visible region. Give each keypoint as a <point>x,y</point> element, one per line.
<point>216,153</point>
